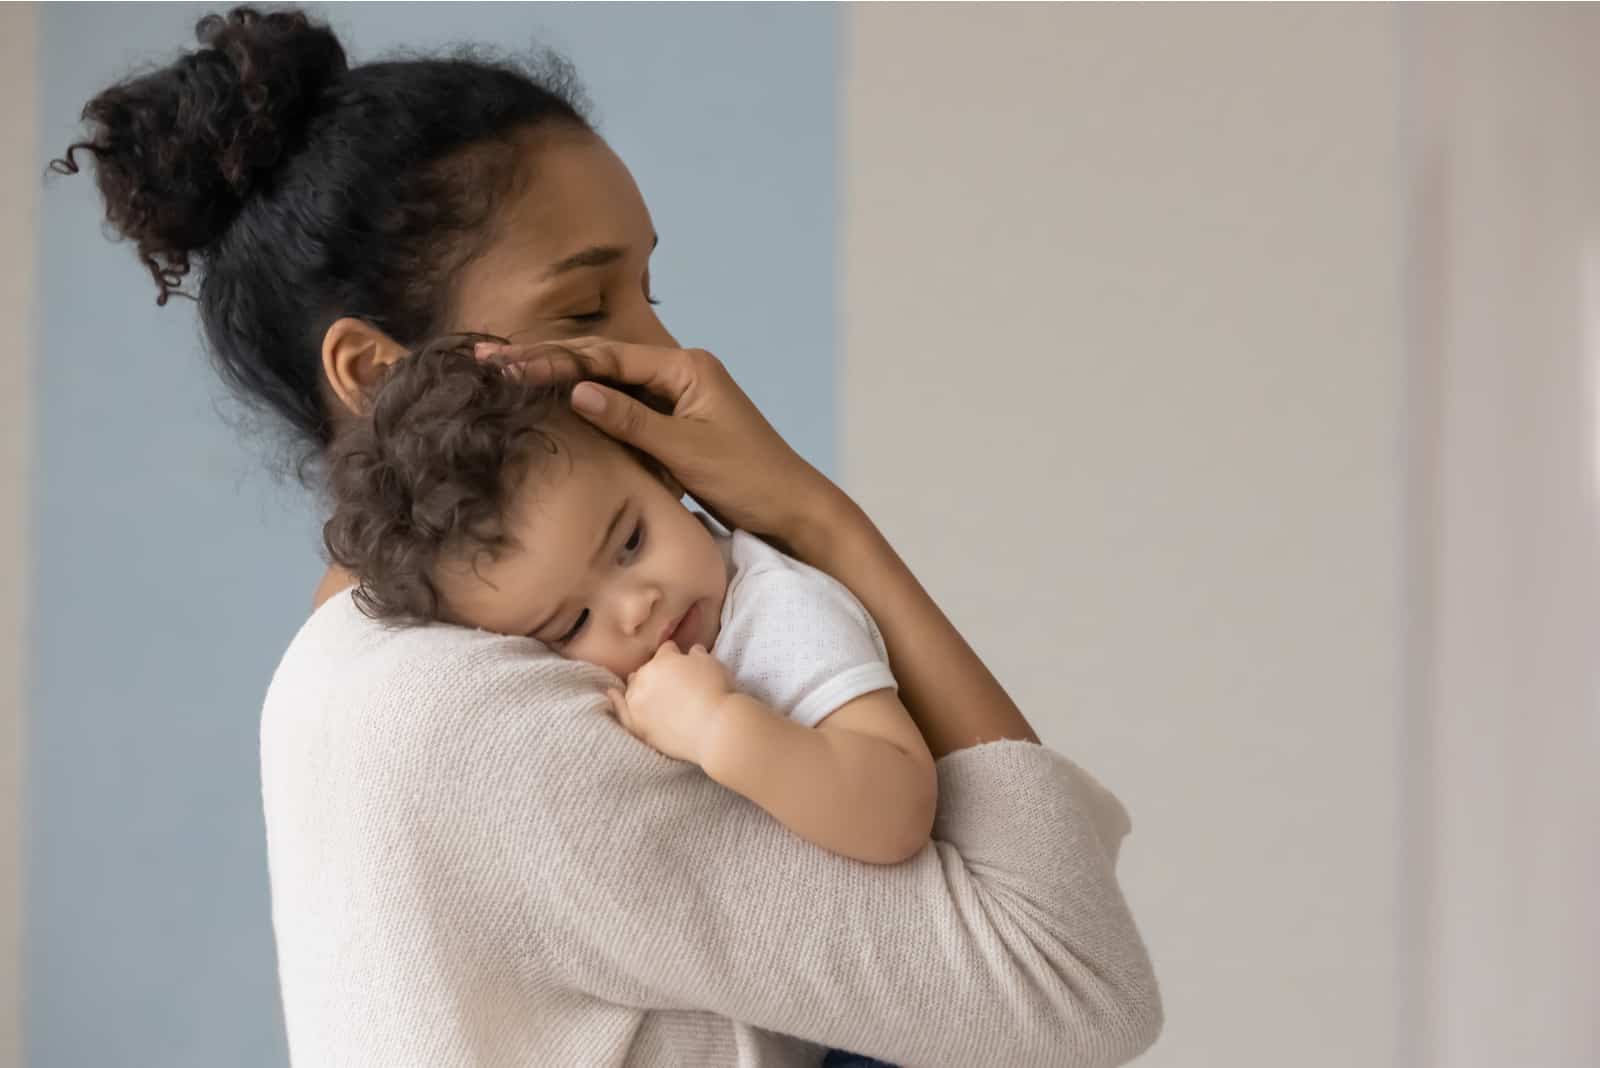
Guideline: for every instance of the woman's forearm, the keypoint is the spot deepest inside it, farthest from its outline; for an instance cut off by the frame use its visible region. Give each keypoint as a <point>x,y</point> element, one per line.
<point>956,702</point>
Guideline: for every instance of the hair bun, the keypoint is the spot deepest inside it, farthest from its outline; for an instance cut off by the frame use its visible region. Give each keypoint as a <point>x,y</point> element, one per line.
<point>178,150</point>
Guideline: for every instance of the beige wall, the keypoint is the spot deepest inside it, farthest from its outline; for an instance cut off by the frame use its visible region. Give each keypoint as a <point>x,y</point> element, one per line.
<point>19,181</point>
<point>1123,380</point>
<point>1231,374</point>
<point>1507,159</point>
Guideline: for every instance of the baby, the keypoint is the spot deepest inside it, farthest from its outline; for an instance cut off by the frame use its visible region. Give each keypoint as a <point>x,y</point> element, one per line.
<point>468,496</point>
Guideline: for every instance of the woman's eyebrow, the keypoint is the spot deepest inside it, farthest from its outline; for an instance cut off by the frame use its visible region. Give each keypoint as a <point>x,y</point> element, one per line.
<point>598,256</point>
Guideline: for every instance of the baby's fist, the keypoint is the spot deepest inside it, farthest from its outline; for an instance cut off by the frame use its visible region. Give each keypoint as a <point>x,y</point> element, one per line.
<point>671,702</point>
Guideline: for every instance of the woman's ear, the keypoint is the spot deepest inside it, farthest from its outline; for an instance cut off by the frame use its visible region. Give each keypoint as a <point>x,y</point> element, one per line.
<point>354,356</point>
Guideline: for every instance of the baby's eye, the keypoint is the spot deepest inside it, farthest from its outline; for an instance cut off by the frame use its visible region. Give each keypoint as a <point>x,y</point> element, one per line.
<point>635,540</point>
<point>583,617</point>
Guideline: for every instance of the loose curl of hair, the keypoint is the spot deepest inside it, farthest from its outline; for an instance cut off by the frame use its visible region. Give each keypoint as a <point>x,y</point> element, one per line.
<point>430,471</point>
<point>303,189</point>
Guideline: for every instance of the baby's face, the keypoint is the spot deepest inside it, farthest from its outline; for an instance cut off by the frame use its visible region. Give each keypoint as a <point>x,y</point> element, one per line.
<point>605,564</point>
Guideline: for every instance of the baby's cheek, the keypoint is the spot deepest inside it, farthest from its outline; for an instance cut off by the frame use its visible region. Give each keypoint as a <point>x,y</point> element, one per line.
<point>621,666</point>
<point>595,653</point>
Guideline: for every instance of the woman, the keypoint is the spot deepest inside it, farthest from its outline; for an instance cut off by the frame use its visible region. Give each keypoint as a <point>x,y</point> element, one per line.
<point>471,862</point>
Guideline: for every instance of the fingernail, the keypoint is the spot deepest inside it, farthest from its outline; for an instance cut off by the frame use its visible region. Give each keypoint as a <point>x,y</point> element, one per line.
<point>588,399</point>
<point>484,349</point>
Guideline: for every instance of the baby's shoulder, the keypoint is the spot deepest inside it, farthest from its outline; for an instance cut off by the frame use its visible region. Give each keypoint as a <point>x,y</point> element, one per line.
<point>765,577</point>
<point>754,561</point>
<point>750,553</point>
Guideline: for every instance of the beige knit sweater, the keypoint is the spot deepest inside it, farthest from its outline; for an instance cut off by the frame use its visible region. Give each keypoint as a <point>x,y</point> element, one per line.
<point>473,865</point>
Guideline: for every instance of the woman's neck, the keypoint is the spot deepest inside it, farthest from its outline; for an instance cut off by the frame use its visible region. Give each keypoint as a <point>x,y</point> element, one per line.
<point>335,580</point>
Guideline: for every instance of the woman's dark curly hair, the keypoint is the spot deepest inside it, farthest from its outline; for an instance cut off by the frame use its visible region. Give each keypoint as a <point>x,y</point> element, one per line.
<point>429,471</point>
<point>304,189</point>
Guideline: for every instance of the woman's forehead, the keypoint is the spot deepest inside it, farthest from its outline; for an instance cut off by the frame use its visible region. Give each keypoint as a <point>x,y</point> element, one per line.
<point>577,195</point>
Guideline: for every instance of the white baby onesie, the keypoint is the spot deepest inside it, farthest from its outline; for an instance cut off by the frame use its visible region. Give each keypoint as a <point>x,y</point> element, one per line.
<point>793,637</point>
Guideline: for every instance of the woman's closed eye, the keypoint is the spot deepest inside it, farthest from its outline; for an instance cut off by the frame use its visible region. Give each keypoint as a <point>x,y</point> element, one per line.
<point>600,314</point>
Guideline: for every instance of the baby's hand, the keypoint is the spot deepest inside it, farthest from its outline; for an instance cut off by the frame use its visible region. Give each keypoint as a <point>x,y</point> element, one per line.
<point>671,703</point>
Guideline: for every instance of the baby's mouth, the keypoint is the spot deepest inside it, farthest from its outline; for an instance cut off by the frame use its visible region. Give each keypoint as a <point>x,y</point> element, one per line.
<point>673,629</point>
<point>685,627</point>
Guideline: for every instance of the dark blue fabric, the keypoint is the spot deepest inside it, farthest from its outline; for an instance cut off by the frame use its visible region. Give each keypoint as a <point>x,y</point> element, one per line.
<point>838,1058</point>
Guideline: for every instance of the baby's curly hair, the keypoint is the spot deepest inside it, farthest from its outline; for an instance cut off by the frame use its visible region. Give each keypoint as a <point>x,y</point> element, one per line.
<point>430,469</point>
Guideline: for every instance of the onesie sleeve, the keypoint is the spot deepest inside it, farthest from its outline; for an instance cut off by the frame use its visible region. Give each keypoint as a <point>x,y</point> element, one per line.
<point>796,639</point>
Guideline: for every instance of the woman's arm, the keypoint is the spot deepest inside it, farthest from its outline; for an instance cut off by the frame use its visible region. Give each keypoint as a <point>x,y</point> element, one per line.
<point>1007,943</point>
<point>541,830</point>
<point>952,696</point>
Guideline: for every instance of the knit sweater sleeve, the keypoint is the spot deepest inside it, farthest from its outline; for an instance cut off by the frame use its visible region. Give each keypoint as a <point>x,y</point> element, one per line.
<point>604,868</point>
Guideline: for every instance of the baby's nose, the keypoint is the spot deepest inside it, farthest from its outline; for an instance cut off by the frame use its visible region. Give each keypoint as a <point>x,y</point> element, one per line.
<point>639,607</point>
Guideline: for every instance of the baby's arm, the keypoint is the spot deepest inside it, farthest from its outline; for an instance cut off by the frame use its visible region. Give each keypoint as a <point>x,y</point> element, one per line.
<point>861,783</point>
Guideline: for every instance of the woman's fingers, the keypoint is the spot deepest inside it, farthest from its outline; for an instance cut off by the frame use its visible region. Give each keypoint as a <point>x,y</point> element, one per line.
<point>715,442</point>
<point>651,370</point>
<point>666,372</point>
<point>546,361</point>
<point>625,419</point>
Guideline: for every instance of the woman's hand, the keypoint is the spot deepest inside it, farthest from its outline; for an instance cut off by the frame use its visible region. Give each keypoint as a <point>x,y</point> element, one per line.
<point>735,464</point>
<point>714,441</point>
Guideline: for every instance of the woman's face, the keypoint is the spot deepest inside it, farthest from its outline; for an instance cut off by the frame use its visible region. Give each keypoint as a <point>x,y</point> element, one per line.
<point>570,253</point>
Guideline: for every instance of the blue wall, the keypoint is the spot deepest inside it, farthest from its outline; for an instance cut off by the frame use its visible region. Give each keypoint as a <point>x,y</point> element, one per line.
<point>170,570</point>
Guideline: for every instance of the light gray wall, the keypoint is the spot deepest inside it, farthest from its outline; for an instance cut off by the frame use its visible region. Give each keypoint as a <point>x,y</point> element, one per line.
<point>1124,362</point>
<point>169,572</point>
<point>18,239</point>
<point>1506,621</point>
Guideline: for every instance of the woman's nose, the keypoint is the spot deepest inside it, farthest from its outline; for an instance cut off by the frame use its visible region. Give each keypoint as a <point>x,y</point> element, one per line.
<point>644,327</point>
<point>656,331</point>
